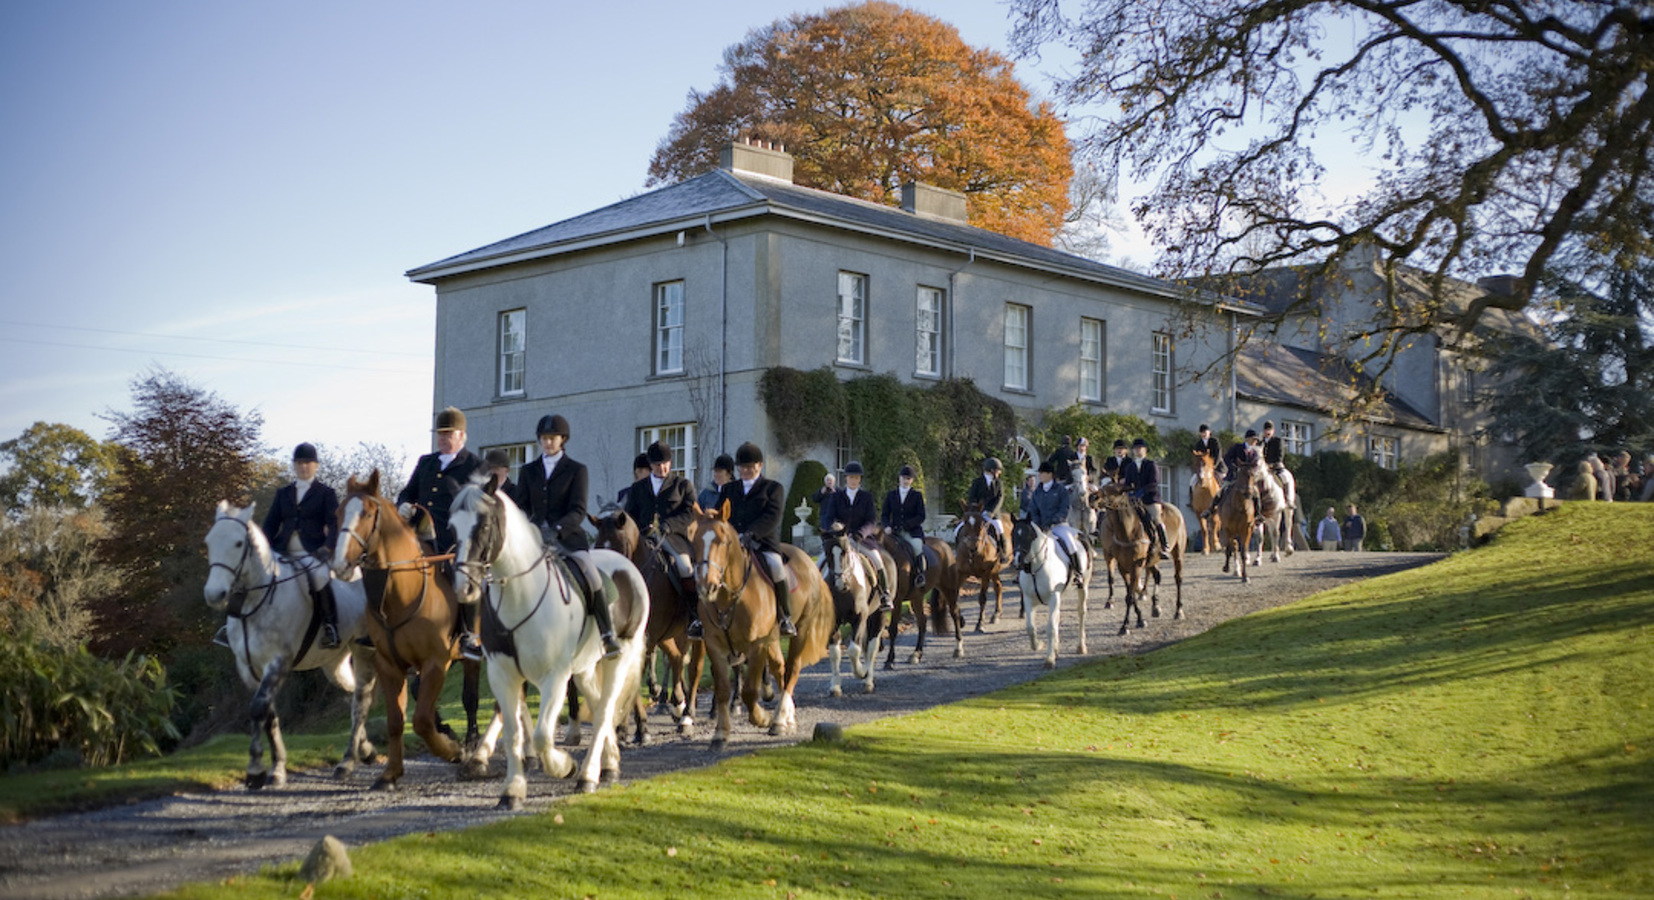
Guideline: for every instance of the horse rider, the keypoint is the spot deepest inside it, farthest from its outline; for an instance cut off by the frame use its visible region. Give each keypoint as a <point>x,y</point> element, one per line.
<point>851,508</point>
<point>1048,509</point>
<point>904,516</point>
<point>1062,459</point>
<point>437,477</point>
<point>988,493</point>
<point>1127,476</point>
<point>1145,489</point>
<point>1084,462</point>
<point>662,504</point>
<point>723,472</point>
<point>1207,445</point>
<point>499,466</point>
<point>305,519</point>
<point>1274,457</point>
<point>756,507</point>
<point>1111,469</point>
<point>551,490</point>
<point>640,471</point>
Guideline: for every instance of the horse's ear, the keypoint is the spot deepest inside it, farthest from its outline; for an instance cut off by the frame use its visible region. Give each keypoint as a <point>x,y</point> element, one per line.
<point>722,514</point>
<point>492,485</point>
<point>596,522</point>
<point>223,507</point>
<point>372,486</point>
<point>246,515</point>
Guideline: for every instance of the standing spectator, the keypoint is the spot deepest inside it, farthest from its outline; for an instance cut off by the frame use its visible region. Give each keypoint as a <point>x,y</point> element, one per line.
<point>499,466</point>
<point>1026,493</point>
<point>1627,483</point>
<point>1328,533</point>
<point>1648,480</point>
<point>829,487</point>
<point>1584,486</point>
<point>1355,530</point>
<point>723,472</point>
<point>1605,478</point>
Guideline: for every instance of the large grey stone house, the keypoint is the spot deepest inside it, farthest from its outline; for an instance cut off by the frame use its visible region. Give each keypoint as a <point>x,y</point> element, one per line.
<point>655,317</point>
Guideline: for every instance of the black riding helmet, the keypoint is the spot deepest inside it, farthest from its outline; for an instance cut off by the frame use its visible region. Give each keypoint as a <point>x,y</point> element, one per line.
<point>552,425</point>
<point>748,454</point>
<point>854,468</point>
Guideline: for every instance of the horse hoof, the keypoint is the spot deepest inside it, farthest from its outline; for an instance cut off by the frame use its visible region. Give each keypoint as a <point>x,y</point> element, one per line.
<point>642,739</point>
<point>1154,614</point>
<point>588,787</point>
<point>1050,664</point>
<point>915,658</point>
<point>1178,614</point>
<point>257,781</point>
<point>716,745</point>
<point>979,628</point>
<point>1108,604</point>
<point>836,691</point>
<point>959,653</point>
<point>1123,631</point>
<point>511,802</point>
<point>343,771</point>
<point>367,752</point>
<point>867,688</point>
<point>993,619</point>
<point>609,776</point>
<point>889,666</point>
<point>383,785</point>
<point>473,770</point>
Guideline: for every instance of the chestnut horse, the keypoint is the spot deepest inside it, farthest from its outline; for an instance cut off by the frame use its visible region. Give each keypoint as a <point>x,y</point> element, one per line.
<point>737,606</point>
<point>1237,516</point>
<point>976,555</point>
<point>668,618</point>
<point>941,586</point>
<point>1126,544</point>
<point>1202,493</point>
<point>412,619</point>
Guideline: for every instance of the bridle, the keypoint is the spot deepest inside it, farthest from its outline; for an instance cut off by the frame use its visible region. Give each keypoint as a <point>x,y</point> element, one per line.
<point>236,574</point>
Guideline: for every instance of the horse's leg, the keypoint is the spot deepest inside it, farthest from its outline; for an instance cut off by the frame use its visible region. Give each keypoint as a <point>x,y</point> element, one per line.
<point>692,686</point>
<point>720,695</point>
<point>1154,592</point>
<point>572,735</point>
<point>920,621</point>
<point>785,671</point>
<point>425,716</point>
<point>358,749</point>
<point>981,601</point>
<point>651,682</point>
<point>1085,579</point>
<point>766,660</point>
<point>260,713</point>
<point>602,695</point>
<point>1142,588</point>
<point>554,761</point>
<point>1108,566</point>
<point>508,689</point>
<point>1052,622</point>
<point>469,694</point>
<point>895,626</point>
<point>1028,590</point>
<point>393,684</point>
<point>835,660</point>
<point>958,628</point>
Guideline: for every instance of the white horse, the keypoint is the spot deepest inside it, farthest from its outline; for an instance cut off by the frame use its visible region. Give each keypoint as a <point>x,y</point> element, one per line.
<point>1080,514</point>
<point>535,629</point>
<point>851,580</point>
<point>1275,519</point>
<point>272,627</point>
<point>1043,573</point>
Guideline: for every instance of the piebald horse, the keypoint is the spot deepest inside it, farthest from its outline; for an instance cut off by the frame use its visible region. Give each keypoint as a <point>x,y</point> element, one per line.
<point>535,629</point>
<point>976,555</point>
<point>853,584</point>
<point>271,629</point>
<point>412,619</point>
<point>668,619</point>
<point>737,607</point>
<point>1274,520</point>
<point>1042,574</point>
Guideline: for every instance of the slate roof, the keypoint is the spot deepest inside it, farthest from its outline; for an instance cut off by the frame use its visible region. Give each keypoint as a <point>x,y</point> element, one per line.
<point>725,196</point>
<point>1291,376</point>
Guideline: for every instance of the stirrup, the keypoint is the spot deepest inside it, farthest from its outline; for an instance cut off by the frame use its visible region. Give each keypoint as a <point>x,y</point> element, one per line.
<point>787,627</point>
<point>470,647</point>
<point>611,647</point>
<point>330,637</point>
<point>222,637</point>
<point>693,630</point>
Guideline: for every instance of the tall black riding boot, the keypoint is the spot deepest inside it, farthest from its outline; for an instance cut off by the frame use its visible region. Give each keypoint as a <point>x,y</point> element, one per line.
<point>469,646</point>
<point>918,568</point>
<point>782,615</point>
<point>693,629</point>
<point>597,605</point>
<point>1165,545</point>
<point>330,615</point>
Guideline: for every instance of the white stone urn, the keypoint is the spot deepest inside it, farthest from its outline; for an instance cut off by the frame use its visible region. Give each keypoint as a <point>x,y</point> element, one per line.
<point>1537,471</point>
<point>804,536</point>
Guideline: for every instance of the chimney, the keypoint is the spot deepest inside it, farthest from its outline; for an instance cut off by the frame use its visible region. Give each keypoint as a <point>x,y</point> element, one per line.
<point>931,202</point>
<point>757,158</point>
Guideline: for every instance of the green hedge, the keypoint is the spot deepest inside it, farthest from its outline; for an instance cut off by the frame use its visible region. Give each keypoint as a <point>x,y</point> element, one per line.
<point>78,708</point>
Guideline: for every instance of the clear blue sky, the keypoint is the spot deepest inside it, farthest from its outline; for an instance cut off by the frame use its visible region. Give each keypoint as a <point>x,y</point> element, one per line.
<point>233,191</point>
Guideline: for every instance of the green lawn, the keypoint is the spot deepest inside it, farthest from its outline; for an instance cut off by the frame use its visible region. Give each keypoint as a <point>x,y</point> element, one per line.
<point>1477,728</point>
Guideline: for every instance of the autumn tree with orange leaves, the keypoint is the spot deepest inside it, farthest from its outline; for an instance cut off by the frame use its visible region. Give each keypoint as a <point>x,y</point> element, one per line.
<point>870,96</point>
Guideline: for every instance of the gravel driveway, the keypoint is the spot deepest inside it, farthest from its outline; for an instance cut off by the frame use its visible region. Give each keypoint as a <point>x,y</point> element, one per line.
<point>156,845</point>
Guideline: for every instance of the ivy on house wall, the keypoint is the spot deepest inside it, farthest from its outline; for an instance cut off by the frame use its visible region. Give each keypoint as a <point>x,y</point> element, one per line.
<point>944,430</point>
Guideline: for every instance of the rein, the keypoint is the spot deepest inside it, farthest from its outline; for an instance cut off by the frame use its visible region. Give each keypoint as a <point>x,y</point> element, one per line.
<point>238,596</point>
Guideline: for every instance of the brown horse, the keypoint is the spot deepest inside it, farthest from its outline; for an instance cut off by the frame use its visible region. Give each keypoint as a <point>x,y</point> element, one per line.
<point>412,619</point>
<point>977,556</point>
<point>1127,546</point>
<point>1201,496</point>
<point>737,606</point>
<point>941,586</point>
<point>668,618</point>
<point>1237,515</point>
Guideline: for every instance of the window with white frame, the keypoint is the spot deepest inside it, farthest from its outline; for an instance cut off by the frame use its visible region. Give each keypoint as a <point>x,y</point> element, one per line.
<point>1162,367</point>
<point>928,356</point>
<point>681,438</point>
<point>1467,386</point>
<point>1296,437</point>
<point>852,318</point>
<point>513,341</point>
<point>843,453</point>
<point>669,328</point>
<point>1092,334</point>
<point>1382,450</point>
<point>1017,321</point>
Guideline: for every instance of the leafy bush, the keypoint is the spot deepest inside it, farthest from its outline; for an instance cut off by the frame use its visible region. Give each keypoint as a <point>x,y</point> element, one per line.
<point>1102,429</point>
<point>73,704</point>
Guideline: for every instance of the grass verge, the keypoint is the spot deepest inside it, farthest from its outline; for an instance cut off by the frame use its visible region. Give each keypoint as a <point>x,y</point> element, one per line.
<point>1476,728</point>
